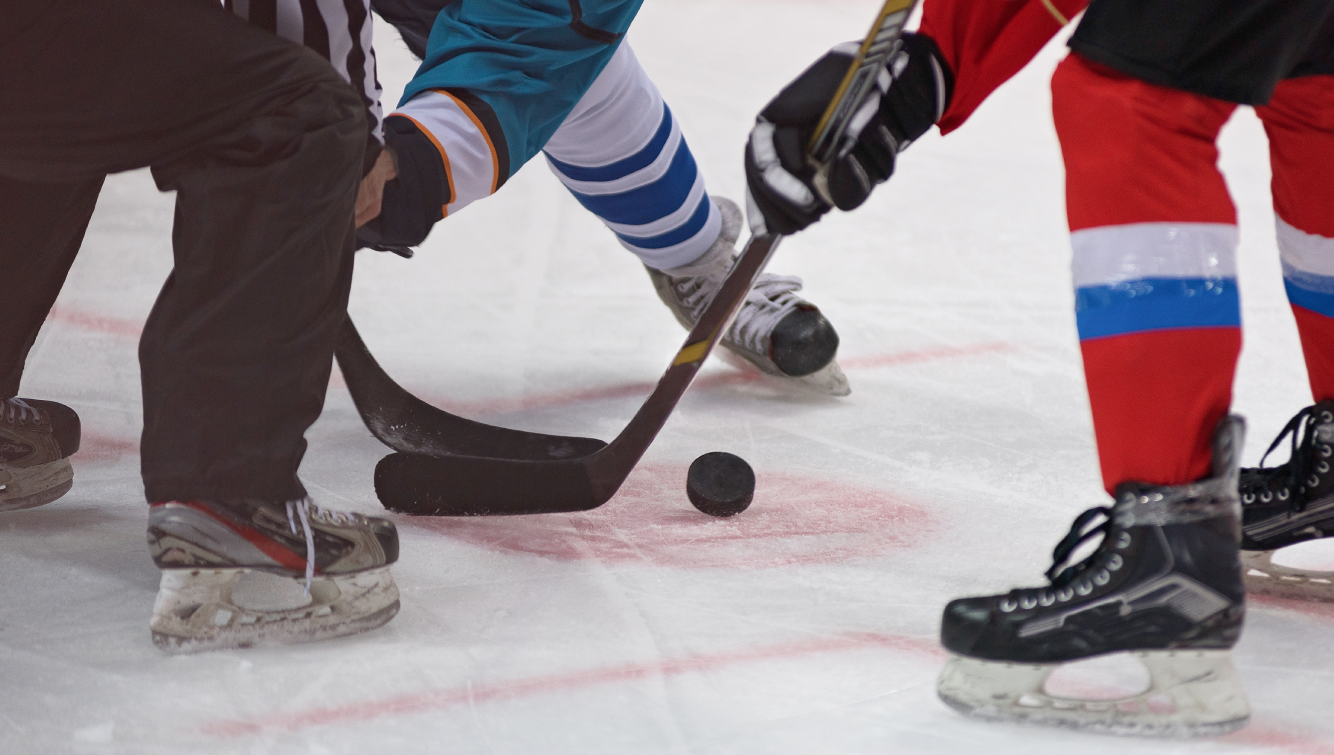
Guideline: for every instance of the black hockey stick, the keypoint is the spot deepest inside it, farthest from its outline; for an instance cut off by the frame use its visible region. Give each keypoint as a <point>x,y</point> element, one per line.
<point>459,485</point>
<point>405,423</point>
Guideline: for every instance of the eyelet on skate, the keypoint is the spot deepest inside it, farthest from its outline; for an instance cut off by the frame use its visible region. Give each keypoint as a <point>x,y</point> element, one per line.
<point>1284,494</point>
<point>1248,498</point>
<point>1326,417</point>
<point>1083,588</point>
<point>1046,599</point>
<point>1322,467</point>
<point>1102,577</point>
<point>1123,540</point>
<point>1027,602</point>
<point>1266,497</point>
<point>1313,481</point>
<point>1326,451</point>
<point>1064,594</point>
<point>1115,562</point>
<point>1008,605</point>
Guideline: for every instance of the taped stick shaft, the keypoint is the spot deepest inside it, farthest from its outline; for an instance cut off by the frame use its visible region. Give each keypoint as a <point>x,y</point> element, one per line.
<point>881,43</point>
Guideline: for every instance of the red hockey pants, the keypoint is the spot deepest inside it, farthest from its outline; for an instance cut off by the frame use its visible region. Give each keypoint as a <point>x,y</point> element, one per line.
<point>1154,236</point>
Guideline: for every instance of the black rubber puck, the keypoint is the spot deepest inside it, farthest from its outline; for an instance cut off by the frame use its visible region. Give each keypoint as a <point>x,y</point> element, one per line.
<point>720,484</point>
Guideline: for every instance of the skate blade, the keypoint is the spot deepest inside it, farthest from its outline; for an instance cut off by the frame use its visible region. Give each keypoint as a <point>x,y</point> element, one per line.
<point>30,487</point>
<point>1192,693</point>
<point>1264,577</point>
<point>826,381</point>
<point>195,610</point>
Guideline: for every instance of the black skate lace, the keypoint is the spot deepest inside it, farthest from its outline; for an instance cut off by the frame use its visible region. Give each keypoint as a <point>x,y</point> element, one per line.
<point>1067,581</point>
<point>21,408</point>
<point>1264,484</point>
<point>1080,533</point>
<point>769,301</point>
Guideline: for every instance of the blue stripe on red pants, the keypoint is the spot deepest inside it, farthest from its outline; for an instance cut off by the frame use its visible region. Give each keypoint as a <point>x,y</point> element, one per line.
<point>1154,237</point>
<point>1299,121</point>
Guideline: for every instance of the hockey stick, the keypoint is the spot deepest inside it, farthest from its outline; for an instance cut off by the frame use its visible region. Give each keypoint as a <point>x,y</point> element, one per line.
<point>831,138</point>
<point>405,423</point>
<point>460,485</point>
<point>476,486</point>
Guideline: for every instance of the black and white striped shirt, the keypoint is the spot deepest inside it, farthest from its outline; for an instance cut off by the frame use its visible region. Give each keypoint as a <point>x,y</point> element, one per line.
<point>340,30</point>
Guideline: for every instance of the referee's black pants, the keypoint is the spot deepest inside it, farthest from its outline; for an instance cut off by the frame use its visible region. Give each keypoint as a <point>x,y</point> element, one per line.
<point>263,144</point>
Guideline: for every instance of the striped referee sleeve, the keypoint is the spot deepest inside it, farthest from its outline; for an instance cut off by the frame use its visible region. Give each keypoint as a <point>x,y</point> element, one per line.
<point>340,30</point>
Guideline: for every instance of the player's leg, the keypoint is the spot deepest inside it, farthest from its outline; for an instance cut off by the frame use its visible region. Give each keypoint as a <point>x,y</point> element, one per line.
<point>1154,237</point>
<point>621,153</point>
<point>263,144</point>
<point>1295,501</point>
<point>41,228</point>
<point>1154,241</point>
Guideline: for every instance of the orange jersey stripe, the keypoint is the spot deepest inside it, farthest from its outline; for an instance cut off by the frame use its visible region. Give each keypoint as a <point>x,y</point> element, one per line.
<point>495,161</point>
<point>444,157</point>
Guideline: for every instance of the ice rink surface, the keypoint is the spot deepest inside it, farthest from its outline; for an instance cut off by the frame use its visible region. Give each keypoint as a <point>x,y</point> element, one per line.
<point>805,625</point>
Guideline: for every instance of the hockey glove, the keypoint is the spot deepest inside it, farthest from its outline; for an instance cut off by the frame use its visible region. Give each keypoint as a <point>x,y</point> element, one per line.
<point>414,200</point>
<point>909,97</point>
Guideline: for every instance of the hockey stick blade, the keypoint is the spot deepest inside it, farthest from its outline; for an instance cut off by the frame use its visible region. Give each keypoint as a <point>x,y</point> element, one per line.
<point>405,423</point>
<point>459,485</point>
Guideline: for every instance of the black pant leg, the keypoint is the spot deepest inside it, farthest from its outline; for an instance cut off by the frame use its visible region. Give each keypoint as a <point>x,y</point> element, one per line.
<point>41,228</point>
<point>263,143</point>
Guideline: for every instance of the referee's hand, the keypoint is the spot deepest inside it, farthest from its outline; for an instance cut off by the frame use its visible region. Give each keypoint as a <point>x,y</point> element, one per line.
<point>371,192</point>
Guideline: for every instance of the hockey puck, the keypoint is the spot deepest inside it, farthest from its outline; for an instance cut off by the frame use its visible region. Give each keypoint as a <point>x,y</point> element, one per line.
<point>720,484</point>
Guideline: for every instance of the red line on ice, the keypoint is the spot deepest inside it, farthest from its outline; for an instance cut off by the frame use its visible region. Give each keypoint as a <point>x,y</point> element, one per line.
<point>116,326</point>
<point>712,380</point>
<point>367,710</point>
<point>795,519</point>
<point>94,446</point>
<point>1281,735</point>
<point>1304,607</point>
<point>926,355</point>
<point>132,328</point>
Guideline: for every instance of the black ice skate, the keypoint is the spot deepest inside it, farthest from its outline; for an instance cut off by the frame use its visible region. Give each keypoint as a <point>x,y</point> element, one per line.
<point>36,439</point>
<point>204,549</point>
<point>775,330</point>
<point>1164,585</point>
<point>1288,504</point>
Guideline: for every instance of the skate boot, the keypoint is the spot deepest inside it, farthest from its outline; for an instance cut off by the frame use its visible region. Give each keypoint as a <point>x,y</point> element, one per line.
<point>1164,585</point>
<point>775,330</point>
<point>1288,504</point>
<point>204,549</point>
<point>36,439</point>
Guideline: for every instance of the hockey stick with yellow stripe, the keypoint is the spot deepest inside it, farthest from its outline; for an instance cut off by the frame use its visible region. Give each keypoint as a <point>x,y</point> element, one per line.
<point>458,485</point>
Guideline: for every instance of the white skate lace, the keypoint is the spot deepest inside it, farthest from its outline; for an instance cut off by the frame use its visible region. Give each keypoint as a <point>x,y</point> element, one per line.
<point>20,407</point>
<point>769,301</point>
<point>300,511</point>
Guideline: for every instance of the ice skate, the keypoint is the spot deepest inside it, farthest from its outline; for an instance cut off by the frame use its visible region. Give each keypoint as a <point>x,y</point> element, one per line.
<point>776,331</point>
<point>204,550</point>
<point>1288,504</point>
<point>1163,585</point>
<point>36,439</point>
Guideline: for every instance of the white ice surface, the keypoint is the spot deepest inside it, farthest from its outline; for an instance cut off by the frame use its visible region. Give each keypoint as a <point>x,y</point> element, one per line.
<point>805,625</point>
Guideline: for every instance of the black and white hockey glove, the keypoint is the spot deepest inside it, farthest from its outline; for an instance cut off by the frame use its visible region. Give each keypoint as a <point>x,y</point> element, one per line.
<point>414,199</point>
<point>910,95</point>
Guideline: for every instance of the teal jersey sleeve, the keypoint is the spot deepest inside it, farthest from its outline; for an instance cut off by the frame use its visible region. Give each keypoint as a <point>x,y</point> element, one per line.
<point>521,66</point>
